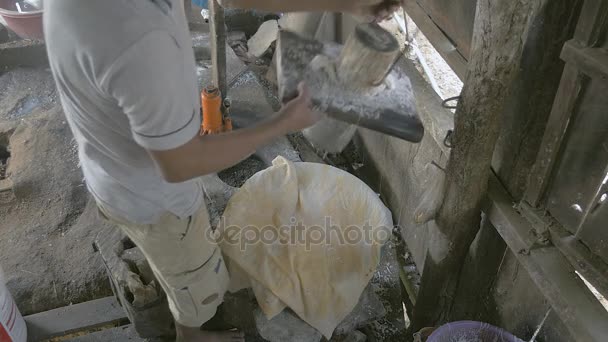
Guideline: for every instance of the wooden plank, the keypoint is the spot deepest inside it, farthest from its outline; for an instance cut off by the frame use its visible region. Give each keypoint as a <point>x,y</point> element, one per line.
<point>564,106</point>
<point>578,309</point>
<point>437,120</point>
<point>582,165</point>
<point>125,333</point>
<point>74,318</point>
<point>593,232</point>
<point>218,46</point>
<point>454,17</point>
<point>592,23</point>
<point>591,61</point>
<point>438,39</point>
<point>588,264</point>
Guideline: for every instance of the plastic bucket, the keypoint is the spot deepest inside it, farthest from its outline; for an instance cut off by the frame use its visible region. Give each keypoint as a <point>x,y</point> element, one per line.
<point>471,331</point>
<point>27,25</point>
<point>12,325</point>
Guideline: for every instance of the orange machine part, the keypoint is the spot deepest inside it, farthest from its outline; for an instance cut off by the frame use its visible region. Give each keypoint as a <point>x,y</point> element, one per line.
<point>213,122</point>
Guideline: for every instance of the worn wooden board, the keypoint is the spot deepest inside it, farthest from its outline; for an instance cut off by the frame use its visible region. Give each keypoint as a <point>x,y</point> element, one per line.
<point>591,61</point>
<point>125,333</point>
<point>438,38</point>
<point>591,266</point>
<point>454,17</point>
<point>74,318</point>
<point>579,310</point>
<point>581,170</point>
<point>565,102</point>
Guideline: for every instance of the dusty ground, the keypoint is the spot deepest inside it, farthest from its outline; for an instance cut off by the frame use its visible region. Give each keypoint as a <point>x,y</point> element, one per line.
<point>47,227</point>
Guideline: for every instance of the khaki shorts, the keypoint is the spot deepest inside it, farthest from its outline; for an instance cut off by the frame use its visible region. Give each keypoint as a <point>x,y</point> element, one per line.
<point>186,262</point>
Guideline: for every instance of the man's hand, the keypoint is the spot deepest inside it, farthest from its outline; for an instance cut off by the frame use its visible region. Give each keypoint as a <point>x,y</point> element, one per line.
<point>298,114</point>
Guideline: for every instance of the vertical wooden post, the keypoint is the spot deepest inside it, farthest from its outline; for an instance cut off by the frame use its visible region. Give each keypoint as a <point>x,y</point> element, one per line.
<point>500,32</point>
<point>530,101</point>
<point>218,46</point>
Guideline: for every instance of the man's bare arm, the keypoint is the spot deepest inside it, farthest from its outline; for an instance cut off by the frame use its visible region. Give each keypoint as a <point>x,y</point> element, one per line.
<point>213,153</point>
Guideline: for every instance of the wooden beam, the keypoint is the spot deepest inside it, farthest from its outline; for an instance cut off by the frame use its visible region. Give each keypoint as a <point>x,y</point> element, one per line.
<point>592,267</point>
<point>495,61</point>
<point>218,46</point>
<point>592,25</point>
<point>576,306</point>
<point>563,108</point>
<point>590,28</point>
<point>74,318</point>
<point>24,53</point>
<point>124,333</point>
<point>438,39</point>
<point>592,61</point>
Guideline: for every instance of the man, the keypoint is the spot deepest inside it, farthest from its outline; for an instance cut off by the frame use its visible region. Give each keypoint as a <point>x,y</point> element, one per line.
<point>125,72</point>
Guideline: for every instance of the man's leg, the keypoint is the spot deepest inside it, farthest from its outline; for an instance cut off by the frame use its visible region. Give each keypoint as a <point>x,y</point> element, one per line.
<point>190,268</point>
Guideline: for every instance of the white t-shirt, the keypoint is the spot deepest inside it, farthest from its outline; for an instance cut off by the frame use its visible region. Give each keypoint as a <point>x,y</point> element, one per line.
<point>126,75</point>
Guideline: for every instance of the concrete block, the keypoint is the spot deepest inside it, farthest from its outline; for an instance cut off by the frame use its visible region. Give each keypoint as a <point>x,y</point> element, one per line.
<point>263,39</point>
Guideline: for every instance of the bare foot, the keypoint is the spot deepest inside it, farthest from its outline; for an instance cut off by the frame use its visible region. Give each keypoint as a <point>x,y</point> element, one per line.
<point>196,335</point>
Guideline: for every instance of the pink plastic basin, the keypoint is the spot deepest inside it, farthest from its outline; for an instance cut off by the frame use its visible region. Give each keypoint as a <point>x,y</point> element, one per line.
<point>470,331</point>
<point>26,25</point>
